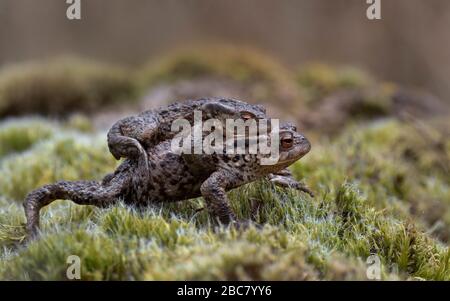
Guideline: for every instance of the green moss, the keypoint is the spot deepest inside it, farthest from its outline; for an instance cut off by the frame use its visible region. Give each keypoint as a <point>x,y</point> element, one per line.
<point>320,80</point>
<point>61,86</point>
<point>67,155</point>
<point>80,123</point>
<point>365,188</point>
<point>17,136</point>
<point>240,64</point>
<point>377,158</point>
<point>262,76</point>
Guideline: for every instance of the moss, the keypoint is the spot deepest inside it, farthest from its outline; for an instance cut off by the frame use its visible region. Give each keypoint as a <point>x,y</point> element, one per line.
<point>320,80</point>
<point>240,64</point>
<point>374,158</point>
<point>61,86</point>
<point>67,155</point>
<point>339,96</point>
<point>18,136</point>
<point>80,122</point>
<point>364,185</point>
<point>371,104</point>
<point>240,260</point>
<point>262,76</point>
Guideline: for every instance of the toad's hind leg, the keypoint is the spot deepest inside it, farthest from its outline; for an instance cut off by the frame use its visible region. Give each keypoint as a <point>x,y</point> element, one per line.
<point>128,137</point>
<point>80,192</point>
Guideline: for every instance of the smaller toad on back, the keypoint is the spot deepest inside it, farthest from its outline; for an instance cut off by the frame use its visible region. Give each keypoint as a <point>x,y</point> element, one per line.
<point>131,136</point>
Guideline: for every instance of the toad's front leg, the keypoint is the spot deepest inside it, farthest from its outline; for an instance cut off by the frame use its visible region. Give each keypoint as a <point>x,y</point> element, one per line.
<point>214,192</point>
<point>285,179</point>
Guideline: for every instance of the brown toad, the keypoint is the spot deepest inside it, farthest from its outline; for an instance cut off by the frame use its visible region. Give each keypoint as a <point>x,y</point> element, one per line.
<point>130,137</point>
<point>175,177</point>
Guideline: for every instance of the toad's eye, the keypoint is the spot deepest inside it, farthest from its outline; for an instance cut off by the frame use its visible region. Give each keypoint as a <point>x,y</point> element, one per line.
<point>287,141</point>
<point>247,115</point>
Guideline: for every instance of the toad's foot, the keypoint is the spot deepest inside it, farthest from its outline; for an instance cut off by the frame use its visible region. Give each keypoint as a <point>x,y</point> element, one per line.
<point>289,182</point>
<point>125,147</point>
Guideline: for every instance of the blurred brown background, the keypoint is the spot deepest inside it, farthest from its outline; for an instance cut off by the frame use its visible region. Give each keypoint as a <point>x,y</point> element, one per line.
<point>410,45</point>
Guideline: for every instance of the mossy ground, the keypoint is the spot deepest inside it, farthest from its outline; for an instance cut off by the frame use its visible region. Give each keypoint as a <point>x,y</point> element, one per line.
<point>382,187</point>
<point>366,186</point>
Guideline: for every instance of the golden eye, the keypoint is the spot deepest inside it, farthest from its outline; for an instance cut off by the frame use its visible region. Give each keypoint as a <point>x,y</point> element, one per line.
<point>247,115</point>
